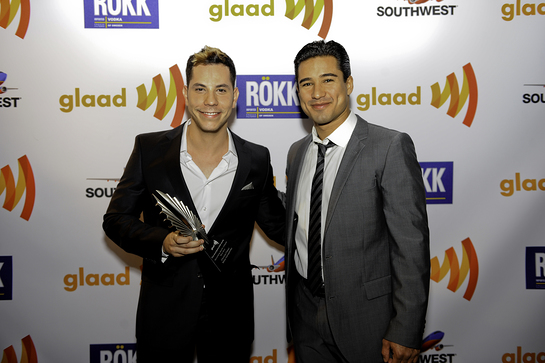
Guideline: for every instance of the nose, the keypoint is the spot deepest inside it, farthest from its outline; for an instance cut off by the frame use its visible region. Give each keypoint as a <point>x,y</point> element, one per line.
<point>318,91</point>
<point>211,99</point>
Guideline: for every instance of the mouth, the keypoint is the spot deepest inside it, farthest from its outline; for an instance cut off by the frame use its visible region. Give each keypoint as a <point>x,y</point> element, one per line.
<point>209,114</point>
<point>320,105</point>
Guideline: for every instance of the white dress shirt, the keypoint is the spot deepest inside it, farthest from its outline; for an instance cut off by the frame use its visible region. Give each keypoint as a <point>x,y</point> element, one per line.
<point>208,194</point>
<point>333,158</point>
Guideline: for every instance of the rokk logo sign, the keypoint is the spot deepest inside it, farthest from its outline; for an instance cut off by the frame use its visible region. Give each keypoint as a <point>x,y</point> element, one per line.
<point>28,354</point>
<point>268,97</point>
<point>8,10</point>
<point>458,97</point>
<point>14,193</point>
<point>112,353</point>
<point>535,267</point>
<point>164,101</point>
<point>438,181</point>
<point>6,277</point>
<point>458,273</point>
<point>121,14</point>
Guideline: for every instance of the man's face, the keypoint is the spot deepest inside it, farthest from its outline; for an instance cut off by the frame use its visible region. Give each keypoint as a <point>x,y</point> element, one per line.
<point>210,97</point>
<point>323,93</point>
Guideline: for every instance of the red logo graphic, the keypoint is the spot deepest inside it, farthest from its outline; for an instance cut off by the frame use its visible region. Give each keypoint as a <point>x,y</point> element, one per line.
<point>28,354</point>
<point>24,182</point>
<point>312,12</point>
<point>9,10</point>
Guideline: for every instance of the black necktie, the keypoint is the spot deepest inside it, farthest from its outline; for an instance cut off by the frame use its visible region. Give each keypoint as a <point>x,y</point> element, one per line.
<point>314,272</point>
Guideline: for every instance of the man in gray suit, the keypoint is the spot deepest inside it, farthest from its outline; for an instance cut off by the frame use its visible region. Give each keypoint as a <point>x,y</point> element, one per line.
<point>358,259</point>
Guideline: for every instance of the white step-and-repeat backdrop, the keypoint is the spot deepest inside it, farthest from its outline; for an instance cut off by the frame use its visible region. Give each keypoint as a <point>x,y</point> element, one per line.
<point>80,79</point>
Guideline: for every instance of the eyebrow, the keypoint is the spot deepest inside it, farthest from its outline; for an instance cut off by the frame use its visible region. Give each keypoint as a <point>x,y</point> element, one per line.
<point>223,85</point>
<point>321,76</point>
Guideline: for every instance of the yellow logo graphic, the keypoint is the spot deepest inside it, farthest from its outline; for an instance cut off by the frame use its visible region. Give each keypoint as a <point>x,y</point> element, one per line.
<point>458,273</point>
<point>24,182</point>
<point>28,354</point>
<point>458,97</point>
<point>9,10</point>
<point>164,101</point>
<point>312,12</point>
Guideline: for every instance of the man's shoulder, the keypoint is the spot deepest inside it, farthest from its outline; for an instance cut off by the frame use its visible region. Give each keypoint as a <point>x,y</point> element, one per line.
<point>249,145</point>
<point>375,130</point>
<point>157,135</point>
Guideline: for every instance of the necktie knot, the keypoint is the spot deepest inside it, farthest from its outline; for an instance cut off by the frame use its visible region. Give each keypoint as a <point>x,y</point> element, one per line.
<point>323,147</point>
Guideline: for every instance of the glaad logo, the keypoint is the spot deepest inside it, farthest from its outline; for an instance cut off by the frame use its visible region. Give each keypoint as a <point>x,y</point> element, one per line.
<point>509,186</point>
<point>458,97</point>
<point>68,101</point>
<point>9,10</point>
<point>238,10</point>
<point>6,278</point>
<point>113,353</point>
<point>438,181</point>
<point>268,97</point>
<point>535,267</point>
<point>509,11</point>
<point>528,357</point>
<point>28,354</point>
<point>312,12</point>
<point>458,273</point>
<point>121,14</point>
<point>164,101</point>
<point>25,182</point>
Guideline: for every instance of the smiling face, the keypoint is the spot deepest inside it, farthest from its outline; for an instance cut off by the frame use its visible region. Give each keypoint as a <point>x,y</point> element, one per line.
<point>210,97</point>
<point>323,93</point>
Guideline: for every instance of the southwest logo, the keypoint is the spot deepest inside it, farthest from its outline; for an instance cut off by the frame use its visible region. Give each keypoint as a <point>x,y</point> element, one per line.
<point>6,278</point>
<point>121,14</point>
<point>6,101</point>
<point>268,97</point>
<point>438,181</point>
<point>274,279</point>
<point>312,12</point>
<point>9,10</point>
<point>164,101</point>
<point>421,1</point>
<point>458,97</point>
<point>458,273</point>
<point>14,193</point>
<point>101,353</point>
<point>535,267</point>
<point>28,354</point>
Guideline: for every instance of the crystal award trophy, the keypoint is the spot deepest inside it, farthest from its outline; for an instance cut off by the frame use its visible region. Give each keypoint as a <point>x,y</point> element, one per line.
<point>188,224</point>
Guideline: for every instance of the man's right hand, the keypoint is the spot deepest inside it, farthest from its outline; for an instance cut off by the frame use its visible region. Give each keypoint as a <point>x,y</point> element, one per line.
<point>178,246</point>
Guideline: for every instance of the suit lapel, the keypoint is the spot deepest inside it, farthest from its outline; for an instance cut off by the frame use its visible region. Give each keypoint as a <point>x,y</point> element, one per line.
<point>171,161</point>
<point>295,172</point>
<point>351,154</point>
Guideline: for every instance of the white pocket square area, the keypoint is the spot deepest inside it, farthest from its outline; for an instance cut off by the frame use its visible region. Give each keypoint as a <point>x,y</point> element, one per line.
<point>248,187</point>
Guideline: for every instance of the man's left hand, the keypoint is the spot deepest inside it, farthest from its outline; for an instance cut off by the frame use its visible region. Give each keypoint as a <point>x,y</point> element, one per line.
<point>400,354</point>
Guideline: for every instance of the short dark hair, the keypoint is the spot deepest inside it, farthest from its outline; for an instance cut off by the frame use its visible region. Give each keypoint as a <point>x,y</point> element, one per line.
<point>321,48</point>
<point>210,55</point>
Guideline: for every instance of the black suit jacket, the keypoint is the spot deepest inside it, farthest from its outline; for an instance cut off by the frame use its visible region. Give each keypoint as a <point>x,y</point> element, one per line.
<point>177,284</point>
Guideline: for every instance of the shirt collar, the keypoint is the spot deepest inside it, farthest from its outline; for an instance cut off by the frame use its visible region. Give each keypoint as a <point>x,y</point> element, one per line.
<point>341,135</point>
<point>183,148</point>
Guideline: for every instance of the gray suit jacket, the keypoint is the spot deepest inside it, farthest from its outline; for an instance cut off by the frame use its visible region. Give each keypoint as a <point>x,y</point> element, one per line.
<point>375,245</point>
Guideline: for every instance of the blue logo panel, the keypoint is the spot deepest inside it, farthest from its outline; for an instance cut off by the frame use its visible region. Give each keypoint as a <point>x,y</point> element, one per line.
<point>6,278</point>
<point>535,267</point>
<point>101,353</point>
<point>268,97</point>
<point>438,181</point>
<point>121,14</point>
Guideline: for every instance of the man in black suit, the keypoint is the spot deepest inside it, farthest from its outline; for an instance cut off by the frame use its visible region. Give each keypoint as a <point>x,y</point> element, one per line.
<point>358,265</point>
<point>186,304</point>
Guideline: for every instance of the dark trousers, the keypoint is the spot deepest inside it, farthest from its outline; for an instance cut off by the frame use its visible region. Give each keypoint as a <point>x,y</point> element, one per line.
<point>207,345</point>
<point>312,338</point>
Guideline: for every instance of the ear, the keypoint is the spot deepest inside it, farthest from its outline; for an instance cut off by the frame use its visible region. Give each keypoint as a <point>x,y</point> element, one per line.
<point>349,85</point>
<point>184,92</point>
<point>235,97</point>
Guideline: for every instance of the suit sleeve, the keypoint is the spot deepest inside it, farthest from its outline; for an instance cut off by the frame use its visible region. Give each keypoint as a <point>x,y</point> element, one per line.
<point>122,221</point>
<point>404,204</point>
<point>271,213</point>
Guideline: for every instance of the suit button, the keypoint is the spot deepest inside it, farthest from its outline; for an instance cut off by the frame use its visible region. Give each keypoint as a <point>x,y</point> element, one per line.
<point>199,276</point>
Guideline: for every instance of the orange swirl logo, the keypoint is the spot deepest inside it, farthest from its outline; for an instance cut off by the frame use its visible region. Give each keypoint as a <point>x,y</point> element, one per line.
<point>28,354</point>
<point>164,101</point>
<point>458,273</point>
<point>458,98</point>
<point>312,12</point>
<point>14,193</point>
<point>9,10</point>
